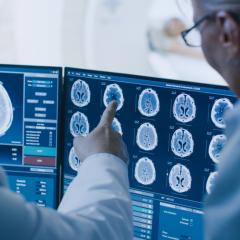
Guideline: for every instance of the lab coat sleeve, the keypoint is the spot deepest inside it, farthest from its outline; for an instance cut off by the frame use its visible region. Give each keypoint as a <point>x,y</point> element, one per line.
<point>96,206</point>
<point>100,193</point>
<point>222,211</point>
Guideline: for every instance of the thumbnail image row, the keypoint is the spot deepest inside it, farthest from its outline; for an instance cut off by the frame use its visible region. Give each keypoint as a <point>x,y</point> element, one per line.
<point>179,178</point>
<point>184,107</point>
<point>182,142</point>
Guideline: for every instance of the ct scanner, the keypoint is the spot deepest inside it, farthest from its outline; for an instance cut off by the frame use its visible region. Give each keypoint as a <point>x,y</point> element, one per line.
<point>112,35</point>
<point>106,35</point>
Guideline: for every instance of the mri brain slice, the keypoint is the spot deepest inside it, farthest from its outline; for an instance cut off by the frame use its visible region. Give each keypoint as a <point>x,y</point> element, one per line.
<point>6,111</point>
<point>218,110</point>
<point>145,172</point>
<point>116,126</point>
<point>113,92</point>
<point>180,179</point>
<point>79,125</point>
<point>210,182</point>
<point>184,108</point>
<point>216,146</point>
<point>147,138</point>
<point>80,93</point>
<point>73,160</point>
<point>182,143</point>
<point>148,103</point>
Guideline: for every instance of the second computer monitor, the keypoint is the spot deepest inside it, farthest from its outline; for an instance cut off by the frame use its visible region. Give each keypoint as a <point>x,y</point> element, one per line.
<point>174,132</point>
<point>29,123</point>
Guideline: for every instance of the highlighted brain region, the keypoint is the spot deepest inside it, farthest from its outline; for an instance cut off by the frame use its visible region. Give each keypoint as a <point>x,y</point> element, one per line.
<point>216,146</point>
<point>184,108</point>
<point>148,103</point>
<point>116,126</point>
<point>147,138</point>
<point>145,172</point>
<point>182,143</point>
<point>180,179</point>
<point>113,92</point>
<point>73,160</point>
<point>218,110</point>
<point>79,125</point>
<point>6,111</point>
<point>210,182</point>
<point>80,93</point>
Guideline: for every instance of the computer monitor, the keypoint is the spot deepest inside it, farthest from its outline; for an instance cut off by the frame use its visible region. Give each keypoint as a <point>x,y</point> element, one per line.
<point>174,133</point>
<point>29,122</point>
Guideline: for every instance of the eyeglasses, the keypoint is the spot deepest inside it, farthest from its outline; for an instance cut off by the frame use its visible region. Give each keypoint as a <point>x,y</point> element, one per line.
<point>192,36</point>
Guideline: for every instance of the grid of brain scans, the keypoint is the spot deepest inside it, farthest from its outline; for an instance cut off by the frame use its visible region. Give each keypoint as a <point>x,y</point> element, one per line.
<point>29,120</point>
<point>174,132</point>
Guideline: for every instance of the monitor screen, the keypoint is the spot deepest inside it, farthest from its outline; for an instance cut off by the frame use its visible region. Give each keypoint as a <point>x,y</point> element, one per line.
<point>29,100</point>
<point>174,131</point>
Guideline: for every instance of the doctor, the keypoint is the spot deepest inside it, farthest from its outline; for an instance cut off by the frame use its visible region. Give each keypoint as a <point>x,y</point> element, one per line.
<point>96,206</point>
<point>217,25</point>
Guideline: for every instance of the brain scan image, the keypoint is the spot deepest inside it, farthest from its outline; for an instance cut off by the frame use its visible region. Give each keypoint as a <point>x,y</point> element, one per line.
<point>147,138</point>
<point>180,179</point>
<point>148,103</point>
<point>210,182</point>
<point>116,126</point>
<point>6,111</point>
<point>184,108</point>
<point>80,93</point>
<point>79,125</point>
<point>73,160</point>
<point>216,146</point>
<point>145,172</point>
<point>182,143</point>
<point>218,110</point>
<point>113,92</point>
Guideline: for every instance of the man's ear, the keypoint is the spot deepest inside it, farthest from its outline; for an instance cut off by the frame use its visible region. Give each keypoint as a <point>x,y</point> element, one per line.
<point>229,31</point>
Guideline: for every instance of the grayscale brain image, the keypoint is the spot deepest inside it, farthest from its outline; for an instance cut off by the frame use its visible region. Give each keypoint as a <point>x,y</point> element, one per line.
<point>116,126</point>
<point>184,108</point>
<point>148,103</point>
<point>180,179</point>
<point>182,143</point>
<point>79,125</point>
<point>80,93</point>
<point>145,172</point>
<point>73,159</point>
<point>113,92</point>
<point>210,182</point>
<point>147,138</point>
<point>216,146</point>
<point>220,107</point>
<point>6,110</point>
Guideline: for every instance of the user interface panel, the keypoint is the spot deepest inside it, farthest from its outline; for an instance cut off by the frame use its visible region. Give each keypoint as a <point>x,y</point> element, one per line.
<point>29,103</point>
<point>174,133</point>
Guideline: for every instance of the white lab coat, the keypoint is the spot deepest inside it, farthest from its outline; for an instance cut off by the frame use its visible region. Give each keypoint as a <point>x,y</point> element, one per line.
<point>96,206</point>
<point>222,220</point>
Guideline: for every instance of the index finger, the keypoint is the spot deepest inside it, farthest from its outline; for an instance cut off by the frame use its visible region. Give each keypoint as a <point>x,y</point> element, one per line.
<point>108,115</point>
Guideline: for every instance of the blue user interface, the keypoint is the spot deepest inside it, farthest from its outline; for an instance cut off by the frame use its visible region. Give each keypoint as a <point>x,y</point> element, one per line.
<point>29,100</point>
<point>174,132</point>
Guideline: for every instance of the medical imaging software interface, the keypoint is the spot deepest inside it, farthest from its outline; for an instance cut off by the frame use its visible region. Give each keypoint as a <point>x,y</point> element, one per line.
<point>28,131</point>
<point>175,134</point>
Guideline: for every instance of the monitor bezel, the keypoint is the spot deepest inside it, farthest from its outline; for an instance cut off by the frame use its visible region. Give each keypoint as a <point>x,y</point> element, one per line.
<point>156,79</point>
<point>59,119</point>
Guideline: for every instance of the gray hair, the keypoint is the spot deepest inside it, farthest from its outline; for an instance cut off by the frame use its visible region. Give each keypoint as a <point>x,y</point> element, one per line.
<point>229,5</point>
